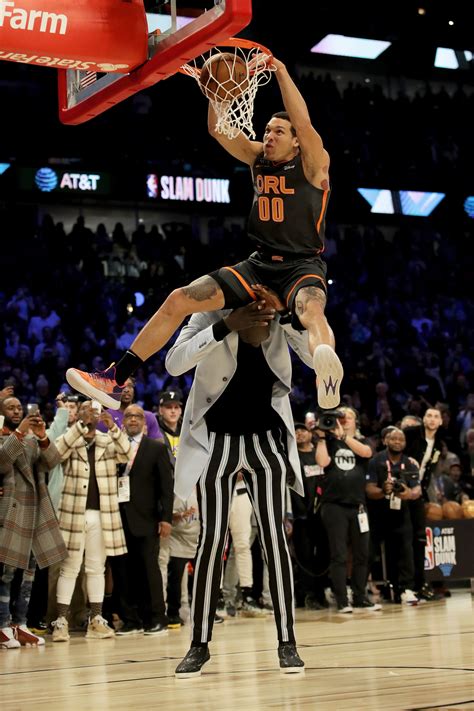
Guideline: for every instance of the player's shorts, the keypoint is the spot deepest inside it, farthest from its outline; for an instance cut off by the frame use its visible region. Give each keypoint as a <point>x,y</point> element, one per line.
<point>286,276</point>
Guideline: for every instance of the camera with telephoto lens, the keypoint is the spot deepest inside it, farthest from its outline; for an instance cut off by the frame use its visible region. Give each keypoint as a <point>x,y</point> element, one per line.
<point>398,486</point>
<point>327,420</point>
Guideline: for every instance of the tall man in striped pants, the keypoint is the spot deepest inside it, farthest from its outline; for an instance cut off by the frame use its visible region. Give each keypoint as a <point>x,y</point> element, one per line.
<point>241,359</point>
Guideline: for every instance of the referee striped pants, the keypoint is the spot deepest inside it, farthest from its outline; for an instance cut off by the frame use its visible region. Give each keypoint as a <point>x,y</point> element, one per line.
<point>263,460</point>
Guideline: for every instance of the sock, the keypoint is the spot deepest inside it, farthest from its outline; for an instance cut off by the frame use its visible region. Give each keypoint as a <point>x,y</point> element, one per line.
<point>204,645</point>
<point>126,366</point>
<point>96,609</point>
<point>62,609</point>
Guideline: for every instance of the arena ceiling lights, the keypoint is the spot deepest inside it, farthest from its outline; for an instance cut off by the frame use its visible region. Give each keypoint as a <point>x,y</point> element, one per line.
<point>344,46</point>
<point>446,58</point>
<point>401,202</point>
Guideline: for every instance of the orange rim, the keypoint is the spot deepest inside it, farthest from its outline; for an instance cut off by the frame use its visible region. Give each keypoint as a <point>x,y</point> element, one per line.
<point>235,42</point>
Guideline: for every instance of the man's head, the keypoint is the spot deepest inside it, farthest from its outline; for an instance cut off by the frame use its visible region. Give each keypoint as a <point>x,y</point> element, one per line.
<point>280,142</point>
<point>170,408</point>
<point>410,421</point>
<point>72,405</point>
<point>134,420</point>
<point>385,432</point>
<point>255,335</point>
<point>432,419</point>
<point>303,435</point>
<point>128,393</point>
<point>395,441</point>
<point>455,471</point>
<point>12,410</point>
<point>85,408</point>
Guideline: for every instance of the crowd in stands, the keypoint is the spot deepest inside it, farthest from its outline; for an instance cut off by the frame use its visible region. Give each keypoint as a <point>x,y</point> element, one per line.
<point>398,303</point>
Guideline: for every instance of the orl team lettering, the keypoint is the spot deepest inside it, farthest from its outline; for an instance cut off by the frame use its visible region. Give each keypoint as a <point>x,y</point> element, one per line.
<point>31,20</point>
<point>272,208</point>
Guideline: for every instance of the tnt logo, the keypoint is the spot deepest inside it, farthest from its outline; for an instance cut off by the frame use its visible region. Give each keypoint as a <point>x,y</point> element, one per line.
<point>429,550</point>
<point>345,459</point>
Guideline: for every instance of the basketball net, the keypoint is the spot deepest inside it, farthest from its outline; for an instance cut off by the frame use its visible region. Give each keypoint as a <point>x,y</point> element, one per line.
<point>234,108</point>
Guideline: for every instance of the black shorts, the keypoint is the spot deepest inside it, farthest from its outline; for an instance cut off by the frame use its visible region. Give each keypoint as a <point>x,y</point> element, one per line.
<point>285,277</point>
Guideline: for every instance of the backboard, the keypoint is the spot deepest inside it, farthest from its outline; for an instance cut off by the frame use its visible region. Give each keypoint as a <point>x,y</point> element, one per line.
<point>178,31</point>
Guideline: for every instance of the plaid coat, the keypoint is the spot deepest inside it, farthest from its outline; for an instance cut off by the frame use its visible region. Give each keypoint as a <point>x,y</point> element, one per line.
<point>111,448</point>
<point>28,522</point>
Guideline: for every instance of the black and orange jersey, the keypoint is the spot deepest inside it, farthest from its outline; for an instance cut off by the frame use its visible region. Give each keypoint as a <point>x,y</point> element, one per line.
<point>288,213</point>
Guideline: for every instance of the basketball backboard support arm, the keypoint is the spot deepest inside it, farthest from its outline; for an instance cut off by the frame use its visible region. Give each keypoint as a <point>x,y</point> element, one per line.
<point>167,52</point>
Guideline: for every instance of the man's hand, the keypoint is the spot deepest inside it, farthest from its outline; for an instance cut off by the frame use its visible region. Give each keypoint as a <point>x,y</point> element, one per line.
<point>254,314</point>
<point>7,392</point>
<point>270,297</point>
<point>164,529</point>
<point>387,486</point>
<point>405,494</point>
<point>37,426</point>
<point>107,419</point>
<point>60,400</point>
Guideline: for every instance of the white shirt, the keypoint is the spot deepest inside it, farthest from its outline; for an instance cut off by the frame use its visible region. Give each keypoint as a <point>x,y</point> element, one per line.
<point>426,456</point>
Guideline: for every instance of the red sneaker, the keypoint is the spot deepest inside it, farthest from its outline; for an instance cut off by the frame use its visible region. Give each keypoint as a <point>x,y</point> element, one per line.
<point>26,637</point>
<point>100,386</point>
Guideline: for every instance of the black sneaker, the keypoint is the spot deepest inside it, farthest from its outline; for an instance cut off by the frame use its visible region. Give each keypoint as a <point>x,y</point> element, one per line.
<point>175,623</point>
<point>290,661</point>
<point>230,610</point>
<point>157,630</point>
<point>311,603</point>
<point>366,606</point>
<point>192,663</point>
<point>426,593</point>
<point>129,629</point>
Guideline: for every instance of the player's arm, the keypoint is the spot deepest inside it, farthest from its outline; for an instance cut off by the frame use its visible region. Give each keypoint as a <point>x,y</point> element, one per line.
<point>239,147</point>
<point>314,156</point>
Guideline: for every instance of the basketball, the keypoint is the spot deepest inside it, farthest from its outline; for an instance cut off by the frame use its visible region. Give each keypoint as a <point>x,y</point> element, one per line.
<point>451,509</point>
<point>224,76</point>
<point>468,509</point>
<point>434,512</point>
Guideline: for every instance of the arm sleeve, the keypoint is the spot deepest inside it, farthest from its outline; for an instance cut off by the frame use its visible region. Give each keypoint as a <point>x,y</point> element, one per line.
<point>153,429</point>
<point>195,341</point>
<point>165,478</point>
<point>59,424</point>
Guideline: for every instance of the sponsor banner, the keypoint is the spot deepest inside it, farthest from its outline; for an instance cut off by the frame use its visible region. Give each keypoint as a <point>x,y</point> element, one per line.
<point>187,189</point>
<point>449,551</point>
<point>71,181</point>
<point>101,36</point>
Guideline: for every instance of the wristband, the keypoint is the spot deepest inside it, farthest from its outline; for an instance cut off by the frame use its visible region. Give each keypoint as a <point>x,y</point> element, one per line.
<point>220,330</point>
<point>42,439</point>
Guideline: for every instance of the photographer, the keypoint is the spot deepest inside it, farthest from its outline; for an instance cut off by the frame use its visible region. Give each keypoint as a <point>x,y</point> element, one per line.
<point>343,453</point>
<point>393,481</point>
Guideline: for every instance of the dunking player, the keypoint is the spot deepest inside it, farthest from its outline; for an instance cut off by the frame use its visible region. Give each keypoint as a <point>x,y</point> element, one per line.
<point>290,171</point>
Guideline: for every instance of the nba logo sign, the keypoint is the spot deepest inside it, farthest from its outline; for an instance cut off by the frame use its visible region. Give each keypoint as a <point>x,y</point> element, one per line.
<point>429,550</point>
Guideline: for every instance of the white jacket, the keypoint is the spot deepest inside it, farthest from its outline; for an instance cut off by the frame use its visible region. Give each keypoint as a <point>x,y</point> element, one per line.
<point>216,363</point>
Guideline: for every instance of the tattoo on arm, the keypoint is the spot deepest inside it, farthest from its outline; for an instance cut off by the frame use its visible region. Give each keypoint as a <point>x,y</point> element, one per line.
<point>202,289</point>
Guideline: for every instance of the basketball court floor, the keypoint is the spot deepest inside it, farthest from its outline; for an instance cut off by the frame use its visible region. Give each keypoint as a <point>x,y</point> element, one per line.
<point>400,659</point>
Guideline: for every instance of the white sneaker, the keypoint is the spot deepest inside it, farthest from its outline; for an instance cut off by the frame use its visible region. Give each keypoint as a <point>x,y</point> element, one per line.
<point>408,597</point>
<point>98,628</point>
<point>7,639</point>
<point>346,610</point>
<point>329,374</point>
<point>60,630</point>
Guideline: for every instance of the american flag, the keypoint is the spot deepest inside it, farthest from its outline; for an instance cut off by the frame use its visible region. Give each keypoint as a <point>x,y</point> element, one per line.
<point>87,79</point>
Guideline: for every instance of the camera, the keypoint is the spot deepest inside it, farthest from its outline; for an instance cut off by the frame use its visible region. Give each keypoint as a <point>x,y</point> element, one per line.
<point>397,486</point>
<point>327,420</point>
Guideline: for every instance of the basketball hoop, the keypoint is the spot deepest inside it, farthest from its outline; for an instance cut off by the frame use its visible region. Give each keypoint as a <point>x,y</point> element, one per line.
<point>234,105</point>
